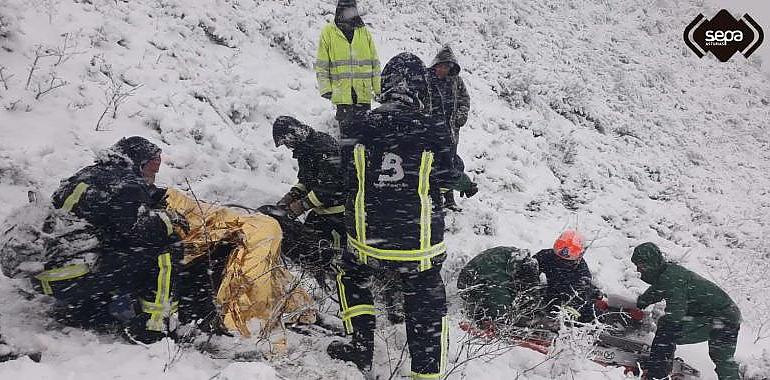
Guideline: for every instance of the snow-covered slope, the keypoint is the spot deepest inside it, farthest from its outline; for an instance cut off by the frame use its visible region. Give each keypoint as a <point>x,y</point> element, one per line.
<point>586,113</point>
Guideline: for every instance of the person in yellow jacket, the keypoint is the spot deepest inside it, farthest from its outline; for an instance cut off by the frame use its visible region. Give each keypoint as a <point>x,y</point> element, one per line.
<point>347,65</point>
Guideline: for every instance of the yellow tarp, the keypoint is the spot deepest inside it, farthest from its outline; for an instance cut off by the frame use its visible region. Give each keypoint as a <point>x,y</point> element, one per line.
<point>255,283</point>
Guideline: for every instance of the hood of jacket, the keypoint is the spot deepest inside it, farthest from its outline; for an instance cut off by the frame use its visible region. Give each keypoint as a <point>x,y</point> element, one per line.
<point>648,257</point>
<point>446,55</point>
<point>130,152</point>
<point>347,24</point>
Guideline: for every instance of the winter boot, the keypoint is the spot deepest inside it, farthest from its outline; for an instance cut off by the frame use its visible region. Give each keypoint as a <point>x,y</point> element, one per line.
<point>449,201</point>
<point>214,325</point>
<point>360,350</point>
<point>358,353</point>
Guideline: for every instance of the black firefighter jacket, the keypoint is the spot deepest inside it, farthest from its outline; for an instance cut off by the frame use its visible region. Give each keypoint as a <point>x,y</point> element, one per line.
<point>396,162</point>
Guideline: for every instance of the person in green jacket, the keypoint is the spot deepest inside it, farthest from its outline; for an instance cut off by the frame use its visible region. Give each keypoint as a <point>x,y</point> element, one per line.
<point>499,283</point>
<point>697,310</point>
<point>347,66</point>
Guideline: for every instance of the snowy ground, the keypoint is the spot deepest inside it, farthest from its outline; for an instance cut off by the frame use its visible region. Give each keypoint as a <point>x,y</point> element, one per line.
<point>584,112</point>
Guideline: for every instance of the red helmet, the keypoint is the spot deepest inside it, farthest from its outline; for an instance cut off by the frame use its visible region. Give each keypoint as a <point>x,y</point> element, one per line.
<point>569,246</point>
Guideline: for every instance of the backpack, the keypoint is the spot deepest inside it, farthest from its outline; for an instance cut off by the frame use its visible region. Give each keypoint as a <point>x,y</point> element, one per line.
<point>36,237</point>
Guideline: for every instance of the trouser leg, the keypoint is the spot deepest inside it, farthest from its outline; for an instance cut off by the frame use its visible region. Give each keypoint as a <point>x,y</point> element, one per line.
<point>722,342</point>
<point>86,302</point>
<point>662,350</point>
<point>198,283</point>
<point>323,240</point>
<point>356,302</point>
<point>151,275</point>
<point>426,322</point>
<point>392,296</point>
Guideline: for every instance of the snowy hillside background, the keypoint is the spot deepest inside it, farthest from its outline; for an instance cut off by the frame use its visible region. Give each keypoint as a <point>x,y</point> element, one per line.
<point>585,113</point>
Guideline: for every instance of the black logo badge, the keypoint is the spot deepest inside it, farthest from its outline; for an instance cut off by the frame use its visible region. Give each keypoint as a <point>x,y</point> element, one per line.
<point>723,35</point>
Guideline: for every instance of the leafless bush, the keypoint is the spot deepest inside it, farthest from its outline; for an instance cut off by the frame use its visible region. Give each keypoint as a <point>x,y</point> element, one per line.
<point>46,87</point>
<point>116,93</point>
<point>50,7</point>
<point>67,49</point>
<point>508,332</point>
<point>62,53</point>
<point>40,52</point>
<point>4,78</point>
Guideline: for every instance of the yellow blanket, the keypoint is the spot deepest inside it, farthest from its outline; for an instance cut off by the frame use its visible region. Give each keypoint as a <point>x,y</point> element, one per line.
<point>255,282</point>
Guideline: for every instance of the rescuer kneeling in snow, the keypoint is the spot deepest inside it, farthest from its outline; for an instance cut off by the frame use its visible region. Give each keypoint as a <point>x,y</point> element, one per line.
<point>501,284</point>
<point>319,189</point>
<point>129,279</point>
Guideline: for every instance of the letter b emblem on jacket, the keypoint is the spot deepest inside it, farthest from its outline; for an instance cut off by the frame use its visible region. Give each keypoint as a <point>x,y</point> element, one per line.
<point>392,169</point>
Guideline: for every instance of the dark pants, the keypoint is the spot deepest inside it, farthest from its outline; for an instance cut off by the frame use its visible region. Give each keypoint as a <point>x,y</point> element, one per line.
<point>722,337</point>
<point>424,307</point>
<point>112,296</point>
<point>314,244</point>
<point>198,283</point>
<point>459,166</point>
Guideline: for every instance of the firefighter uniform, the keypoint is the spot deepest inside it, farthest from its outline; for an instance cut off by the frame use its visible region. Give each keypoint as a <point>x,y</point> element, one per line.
<point>396,162</point>
<point>130,281</point>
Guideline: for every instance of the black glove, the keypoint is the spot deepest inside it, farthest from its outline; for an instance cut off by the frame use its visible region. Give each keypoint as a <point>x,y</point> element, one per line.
<point>274,211</point>
<point>290,197</point>
<point>297,208</point>
<point>466,187</point>
<point>471,191</point>
<point>327,95</point>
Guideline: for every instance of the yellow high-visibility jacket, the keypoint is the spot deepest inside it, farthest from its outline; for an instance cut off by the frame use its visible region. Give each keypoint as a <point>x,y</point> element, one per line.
<point>342,67</point>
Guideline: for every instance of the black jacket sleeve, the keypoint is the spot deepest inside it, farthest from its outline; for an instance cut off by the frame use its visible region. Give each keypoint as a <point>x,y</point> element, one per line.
<point>444,172</point>
<point>307,171</point>
<point>583,287</point>
<point>133,218</point>
<point>463,104</point>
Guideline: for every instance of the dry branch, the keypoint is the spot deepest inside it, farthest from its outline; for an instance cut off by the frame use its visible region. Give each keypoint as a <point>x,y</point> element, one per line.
<point>4,79</point>
<point>53,84</point>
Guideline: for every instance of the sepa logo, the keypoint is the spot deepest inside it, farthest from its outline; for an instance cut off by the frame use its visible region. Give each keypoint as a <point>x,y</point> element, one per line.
<point>723,35</point>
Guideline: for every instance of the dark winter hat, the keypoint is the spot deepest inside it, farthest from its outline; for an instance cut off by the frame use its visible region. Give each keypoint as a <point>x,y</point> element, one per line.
<point>446,55</point>
<point>289,131</point>
<point>649,257</point>
<point>403,80</point>
<point>341,20</point>
<point>138,149</point>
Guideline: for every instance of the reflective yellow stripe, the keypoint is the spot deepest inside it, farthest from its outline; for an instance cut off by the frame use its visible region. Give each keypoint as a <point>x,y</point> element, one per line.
<point>397,254</point>
<point>343,300</point>
<point>336,239</point>
<point>301,187</point>
<point>162,305</point>
<point>357,310</point>
<point>46,288</point>
<point>335,64</point>
<point>444,344</point>
<point>349,75</point>
<point>314,199</point>
<point>150,307</point>
<point>167,222</point>
<point>329,210</point>
<point>417,376</point>
<point>423,188</point>
<point>68,272</point>
<point>74,198</point>
<point>360,203</point>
